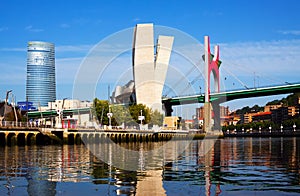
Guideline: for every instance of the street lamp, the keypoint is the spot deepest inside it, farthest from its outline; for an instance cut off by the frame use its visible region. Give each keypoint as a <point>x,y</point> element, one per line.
<point>294,126</point>
<point>270,129</point>
<point>281,127</point>
<point>259,128</point>
<point>141,118</point>
<point>109,115</point>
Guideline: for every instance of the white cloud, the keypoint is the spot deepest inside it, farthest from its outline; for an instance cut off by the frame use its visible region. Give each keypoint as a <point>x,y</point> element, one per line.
<point>290,32</point>
<point>31,29</point>
<point>273,58</point>
<point>260,63</point>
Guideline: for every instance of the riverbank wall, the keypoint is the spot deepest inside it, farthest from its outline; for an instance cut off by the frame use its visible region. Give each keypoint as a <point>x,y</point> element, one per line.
<point>43,136</point>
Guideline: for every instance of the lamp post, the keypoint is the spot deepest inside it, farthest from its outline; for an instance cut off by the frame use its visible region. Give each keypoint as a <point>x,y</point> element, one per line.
<point>141,118</point>
<point>281,128</point>
<point>5,104</point>
<point>270,129</point>
<point>109,115</point>
<point>294,126</point>
<point>14,107</point>
<point>7,93</point>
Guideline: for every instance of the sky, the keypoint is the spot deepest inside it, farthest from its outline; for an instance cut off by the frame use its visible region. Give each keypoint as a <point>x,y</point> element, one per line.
<point>259,40</point>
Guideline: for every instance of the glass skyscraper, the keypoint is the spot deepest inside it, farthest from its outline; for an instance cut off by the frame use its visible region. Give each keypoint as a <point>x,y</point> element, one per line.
<point>40,83</point>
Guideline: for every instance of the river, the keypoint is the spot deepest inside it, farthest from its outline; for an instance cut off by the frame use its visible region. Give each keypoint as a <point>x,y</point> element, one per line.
<point>232,166</point>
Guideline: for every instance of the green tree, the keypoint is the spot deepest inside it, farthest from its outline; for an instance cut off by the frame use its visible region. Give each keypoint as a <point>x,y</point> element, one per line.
<point>156,118</point>
<point>121,114</point>
<point>135,112</point>
<point>101,108</point>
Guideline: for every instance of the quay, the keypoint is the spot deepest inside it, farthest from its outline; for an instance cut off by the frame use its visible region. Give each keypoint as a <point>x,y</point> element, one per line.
<point>30,135</point>
<point>22,136</point>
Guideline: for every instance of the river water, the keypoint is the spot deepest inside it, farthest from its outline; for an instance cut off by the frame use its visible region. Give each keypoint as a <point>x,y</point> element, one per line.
<point>233,166</point>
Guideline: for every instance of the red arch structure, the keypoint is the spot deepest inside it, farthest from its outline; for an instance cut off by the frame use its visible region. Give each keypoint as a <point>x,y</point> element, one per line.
<point>212,65</point>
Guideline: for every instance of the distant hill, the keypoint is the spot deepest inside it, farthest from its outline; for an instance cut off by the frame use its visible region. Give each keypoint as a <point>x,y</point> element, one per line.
<point>290,100</point>
<point>247,109</point>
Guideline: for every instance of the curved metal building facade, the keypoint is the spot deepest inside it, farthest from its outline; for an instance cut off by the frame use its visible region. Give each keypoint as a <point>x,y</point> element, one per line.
<point>40,83</point>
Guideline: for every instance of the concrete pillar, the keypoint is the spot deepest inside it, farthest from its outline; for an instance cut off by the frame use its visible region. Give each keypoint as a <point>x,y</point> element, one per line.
<point>207,117</point>
<point>6,134</point>
<point>65,138</point>
<point>217,119</point>
<point>168,109</point>
<point>26,143</point>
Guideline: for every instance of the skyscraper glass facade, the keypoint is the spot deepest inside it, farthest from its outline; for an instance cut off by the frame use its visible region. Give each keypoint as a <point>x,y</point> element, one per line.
<point>40,83</point>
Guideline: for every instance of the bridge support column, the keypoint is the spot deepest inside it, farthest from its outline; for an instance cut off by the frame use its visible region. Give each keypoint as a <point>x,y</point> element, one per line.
<point>217,117</point>
<point>6,135</point>
<point>168,109</point>
<point>207,117</point>
<point>26,137</point>
<point>65,137</point>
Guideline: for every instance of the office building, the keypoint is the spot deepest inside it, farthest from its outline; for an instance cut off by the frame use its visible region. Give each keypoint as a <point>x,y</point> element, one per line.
<point>40,83</point>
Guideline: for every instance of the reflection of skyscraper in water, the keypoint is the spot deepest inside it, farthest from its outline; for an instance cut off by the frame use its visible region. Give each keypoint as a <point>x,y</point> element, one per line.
<point>41,187</point>
<point>40,83</point>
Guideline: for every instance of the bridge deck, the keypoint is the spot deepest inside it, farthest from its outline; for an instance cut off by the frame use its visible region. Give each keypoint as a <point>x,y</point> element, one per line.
<point>232,95</point>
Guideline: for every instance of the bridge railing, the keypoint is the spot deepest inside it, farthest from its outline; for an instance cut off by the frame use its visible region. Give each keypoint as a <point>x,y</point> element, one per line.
<point>40,124</point>
<point>15,124</point>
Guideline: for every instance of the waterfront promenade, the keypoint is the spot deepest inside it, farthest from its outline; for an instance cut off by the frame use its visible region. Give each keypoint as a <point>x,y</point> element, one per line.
<point>28,134</point>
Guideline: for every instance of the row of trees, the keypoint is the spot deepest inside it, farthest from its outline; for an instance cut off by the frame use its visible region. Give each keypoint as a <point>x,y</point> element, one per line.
<point>125,114</point>
<point>264,125</point>
<point>290,100</point>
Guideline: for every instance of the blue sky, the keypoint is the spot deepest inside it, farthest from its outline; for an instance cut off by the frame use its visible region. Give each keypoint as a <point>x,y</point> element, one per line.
<point>258,39</point>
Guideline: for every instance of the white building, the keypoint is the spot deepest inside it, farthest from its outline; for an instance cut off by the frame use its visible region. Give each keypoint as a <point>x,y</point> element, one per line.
<point>70,113</point>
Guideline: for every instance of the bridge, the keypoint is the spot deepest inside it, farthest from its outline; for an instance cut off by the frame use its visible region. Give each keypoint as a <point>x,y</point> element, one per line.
<point>53,113</point>
<point>221,97</point>
<point>212,100</point>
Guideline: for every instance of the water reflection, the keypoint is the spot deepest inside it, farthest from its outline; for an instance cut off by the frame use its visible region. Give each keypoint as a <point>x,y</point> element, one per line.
<point>232,166</point>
